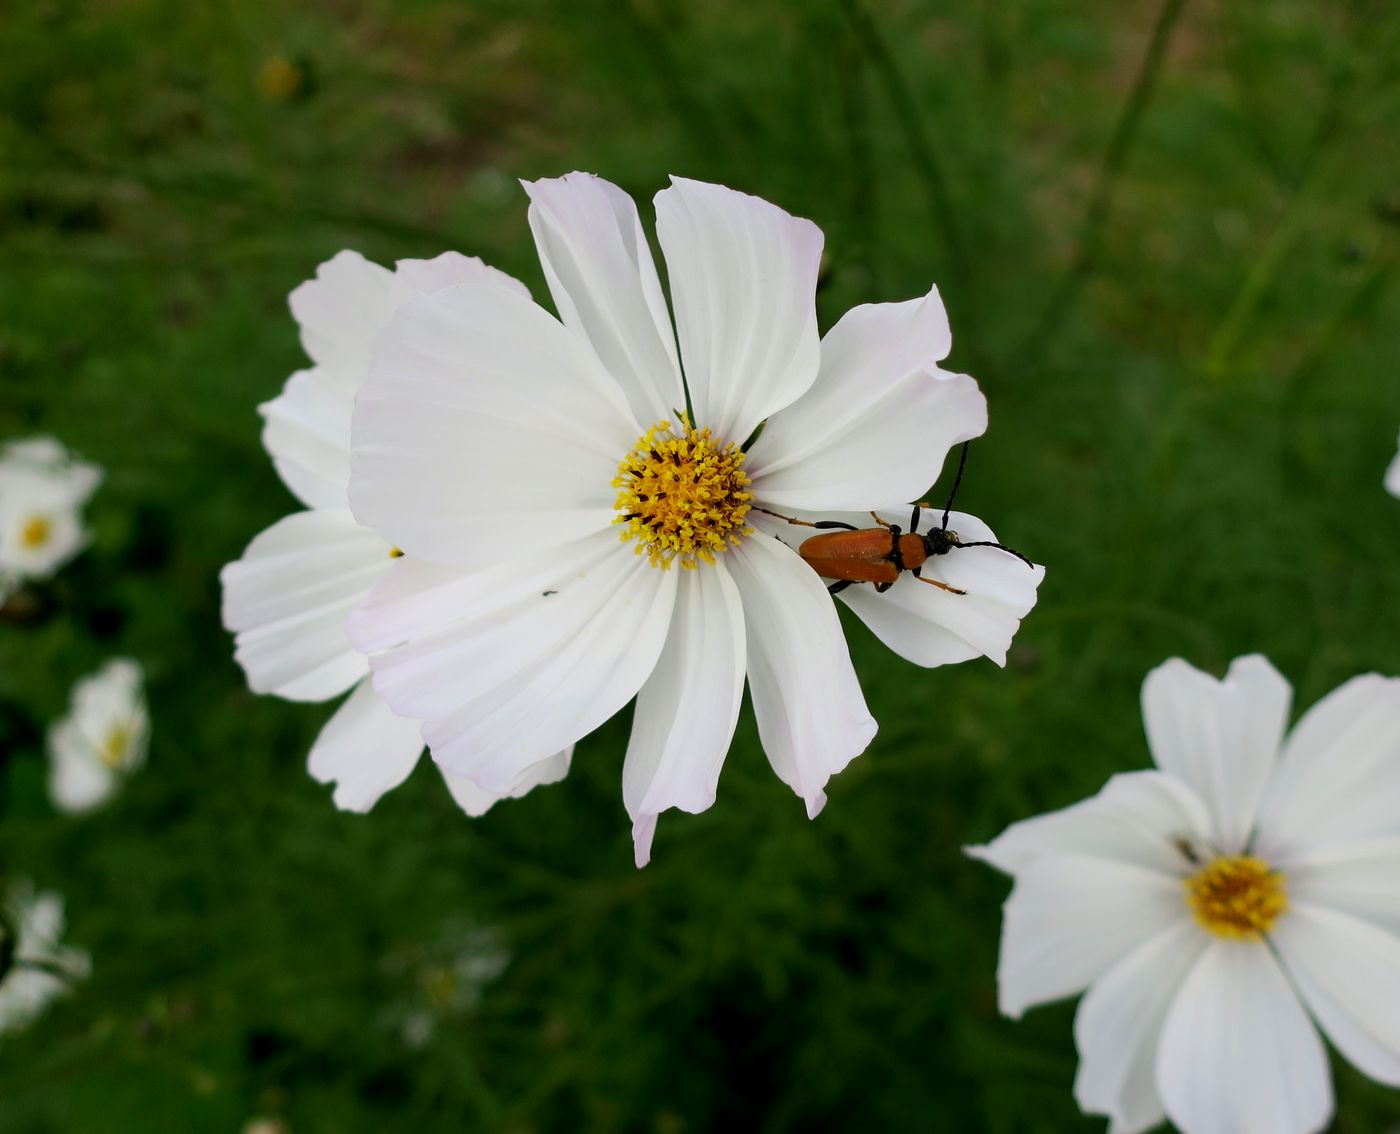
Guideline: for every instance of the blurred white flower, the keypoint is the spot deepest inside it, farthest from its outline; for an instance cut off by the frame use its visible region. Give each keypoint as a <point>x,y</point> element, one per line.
<point>1211,906</point>
<point>287,598</point>
<point>1392,476</point>
<point>34,967</point>
<point>445,980</point>
<point>102,740</point>
<point>501,447</point>
<point>43,489</point>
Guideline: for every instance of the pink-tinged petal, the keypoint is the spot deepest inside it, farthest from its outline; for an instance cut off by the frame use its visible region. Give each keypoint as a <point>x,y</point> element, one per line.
<point>306,430</point>
<point>1221,737</point>
<point>487,432</point>
<point>1118,1029</point>
<point>925,624</point>
<point>339,312</point>
<point>604,283</point>
<point>412,277</point>
<point>502,691</point>
<point>1138,818</point>
<point>1348,973</point>
<point>1069,918</point>
<point>287,600</point>
<point>365,749</point>
<point>743,286</point>
<point>476,802</point>
<point>1357,877</point>
<point>880,418</point>
<point>811,715</point>
<point>1238,1054</point>
<point>687,710</point>
<point>1338,780</point>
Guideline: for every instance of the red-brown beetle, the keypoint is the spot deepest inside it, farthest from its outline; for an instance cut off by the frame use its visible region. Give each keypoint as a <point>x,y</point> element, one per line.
<point>879,555</point>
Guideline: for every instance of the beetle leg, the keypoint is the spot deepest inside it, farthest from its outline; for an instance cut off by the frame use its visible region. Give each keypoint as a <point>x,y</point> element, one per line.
<point>808,523</point>
<point>883,523</point>
<point>881,588</point>
<point>940,586</point>
<point>914,519</point>
<point>837,588</point>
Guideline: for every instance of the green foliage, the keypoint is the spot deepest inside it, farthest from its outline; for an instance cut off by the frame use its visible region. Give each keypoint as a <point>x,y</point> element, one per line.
<point>1193,443</point>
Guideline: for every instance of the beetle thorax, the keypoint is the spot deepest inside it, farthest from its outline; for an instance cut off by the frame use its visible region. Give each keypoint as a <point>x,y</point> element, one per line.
<point>682,495</point>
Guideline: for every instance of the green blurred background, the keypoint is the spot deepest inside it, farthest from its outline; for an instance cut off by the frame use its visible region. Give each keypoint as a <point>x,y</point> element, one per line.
<point>1167,239</point>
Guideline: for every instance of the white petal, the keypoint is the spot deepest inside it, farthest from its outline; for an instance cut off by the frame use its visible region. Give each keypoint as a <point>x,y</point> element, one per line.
<point>417,602</point>
<point>339,312</point>
<point>78,779</point>
<point>288,597</point>
<point>1348,973</point>
<point>1119,1025</point>
<point>604,283</point>
<point>743,285</point>
<point>1221,737</point>
<point>501,692</point>
<point>306,429</point>
<point>687,709</point>
<point>365,749</point>
<point>1138,818</point>
<point>1361,878</point>
<point>1339,778</point>
<point>811,715</point>
<point>486,432</point>
<point>1069,918</point>
<point>880,418</point>
<point>1392,477</point>
<point>1238,1053</point>
<point>24,994</point>
<point>476,802</point>
<point>447,270</point>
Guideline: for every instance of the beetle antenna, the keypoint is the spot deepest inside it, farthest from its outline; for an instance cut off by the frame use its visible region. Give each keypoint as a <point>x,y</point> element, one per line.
<point>1001,546</point>
<point>957,480</point>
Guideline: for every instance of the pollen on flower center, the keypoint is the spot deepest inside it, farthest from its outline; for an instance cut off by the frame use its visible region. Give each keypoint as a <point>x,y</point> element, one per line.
<point>682,494</point>
<point>35,532</point>
<point>1237,897</point>
<point>114,746</point>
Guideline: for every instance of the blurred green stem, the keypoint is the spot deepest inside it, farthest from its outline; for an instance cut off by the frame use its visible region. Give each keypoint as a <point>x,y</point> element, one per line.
<point>1110,169</point>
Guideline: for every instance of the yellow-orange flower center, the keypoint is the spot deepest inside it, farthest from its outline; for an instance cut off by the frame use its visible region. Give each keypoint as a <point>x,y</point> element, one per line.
<point>114,747</point>
<point>682,495</point>
<point>36,532</point>
<point>1237,897</point>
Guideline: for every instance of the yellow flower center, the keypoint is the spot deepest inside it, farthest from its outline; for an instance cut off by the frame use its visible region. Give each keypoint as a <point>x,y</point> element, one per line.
<point>682,495</point>
<point>114,746</point>
<point>280,79</point>
<point>1237,897</point>
<point>36,532</point>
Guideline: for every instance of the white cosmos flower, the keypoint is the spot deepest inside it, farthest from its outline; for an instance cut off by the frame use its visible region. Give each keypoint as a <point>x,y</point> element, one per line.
<point>43,489</point>
<point>35,967</point>
<point>287,598</point>
<point>1392,476</point>
<point>102,740</point>
<point>1212,906</point>
<point>500,447</point>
